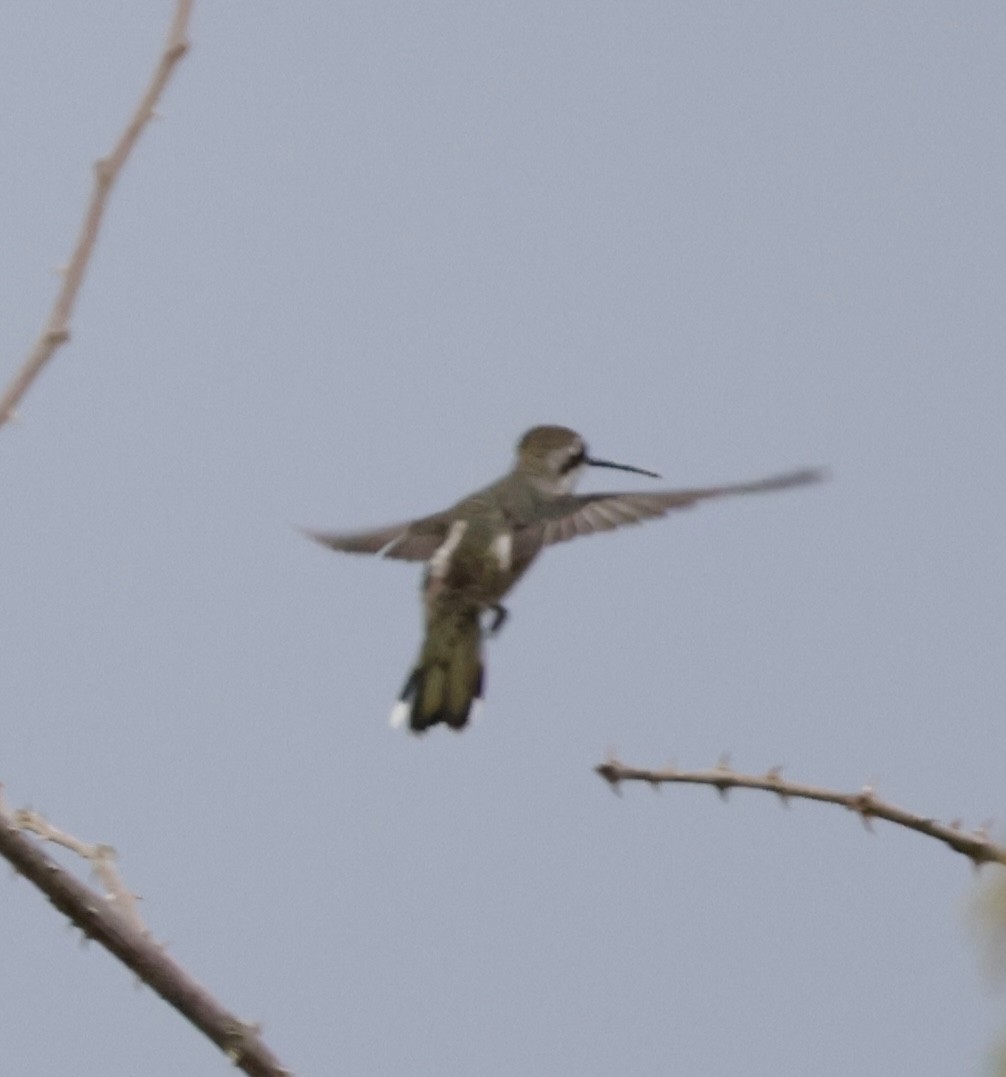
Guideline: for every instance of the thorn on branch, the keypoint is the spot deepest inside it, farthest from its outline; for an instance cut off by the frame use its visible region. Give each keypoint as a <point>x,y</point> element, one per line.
<point>773,776</point>
<point>865,803</point>
<point>609,772</point>
<point>725,784</point>
<point>103,173</point>
<point>723,787</point>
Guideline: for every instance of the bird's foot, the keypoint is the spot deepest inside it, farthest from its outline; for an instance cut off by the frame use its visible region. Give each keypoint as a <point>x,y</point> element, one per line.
<point>500,615</point>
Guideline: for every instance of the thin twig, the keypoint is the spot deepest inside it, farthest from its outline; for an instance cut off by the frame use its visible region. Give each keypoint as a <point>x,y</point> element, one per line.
<point>975,844</point>
<point>106,170</point>
<point>101,858</point>
<point>123,935</point>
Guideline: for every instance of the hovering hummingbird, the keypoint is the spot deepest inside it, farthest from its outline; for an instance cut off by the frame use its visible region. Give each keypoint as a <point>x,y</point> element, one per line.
<point>478,549</point>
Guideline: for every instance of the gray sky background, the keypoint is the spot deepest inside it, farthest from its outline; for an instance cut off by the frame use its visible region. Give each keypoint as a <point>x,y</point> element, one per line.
<point>366,246</point>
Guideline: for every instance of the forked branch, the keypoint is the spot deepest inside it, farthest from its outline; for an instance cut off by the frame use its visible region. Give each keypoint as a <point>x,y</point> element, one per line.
<point>112,920</point>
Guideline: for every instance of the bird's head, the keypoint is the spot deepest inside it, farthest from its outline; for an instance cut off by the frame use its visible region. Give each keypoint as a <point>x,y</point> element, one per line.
<point>556,456</point>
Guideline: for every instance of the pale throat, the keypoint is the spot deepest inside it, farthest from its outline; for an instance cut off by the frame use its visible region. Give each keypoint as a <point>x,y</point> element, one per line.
<point>566,484</point>
<point>554,484</point>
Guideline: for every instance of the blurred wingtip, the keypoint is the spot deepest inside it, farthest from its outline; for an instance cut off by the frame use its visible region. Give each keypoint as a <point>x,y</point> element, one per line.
<point>820,474</point>
<point>308,533</point>
<point>806,476</point>
<point>814,474</point>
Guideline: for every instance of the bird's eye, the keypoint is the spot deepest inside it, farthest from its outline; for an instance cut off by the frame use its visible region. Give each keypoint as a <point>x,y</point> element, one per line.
<point>575,459</point>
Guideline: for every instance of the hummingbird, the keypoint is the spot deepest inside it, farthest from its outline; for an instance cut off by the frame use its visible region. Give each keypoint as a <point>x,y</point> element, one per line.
<point>479,548</point>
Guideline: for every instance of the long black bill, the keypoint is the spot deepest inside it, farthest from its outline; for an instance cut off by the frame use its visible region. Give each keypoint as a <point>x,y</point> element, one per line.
<point>620,467</point>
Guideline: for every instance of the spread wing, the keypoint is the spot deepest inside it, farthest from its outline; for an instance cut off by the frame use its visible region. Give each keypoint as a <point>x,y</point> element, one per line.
<point>585,514</point>
<point>414,540</point>
<point>564,518</point>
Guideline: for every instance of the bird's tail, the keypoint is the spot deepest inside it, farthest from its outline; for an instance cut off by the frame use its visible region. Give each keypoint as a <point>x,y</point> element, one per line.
<point>448,678</point>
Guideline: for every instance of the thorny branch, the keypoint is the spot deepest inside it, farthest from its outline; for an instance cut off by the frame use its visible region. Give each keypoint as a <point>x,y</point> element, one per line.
<point>102,858</point>
<point>114,922</point>
<point>106,170</point>
<point>974,844</point>
<point>113,919</point>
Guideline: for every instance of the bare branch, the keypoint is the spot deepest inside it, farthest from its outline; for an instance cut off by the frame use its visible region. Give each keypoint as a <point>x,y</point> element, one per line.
<point>975,844</point>
<point>121,932</point>
<point>102,858</point>
<point>57,329</point>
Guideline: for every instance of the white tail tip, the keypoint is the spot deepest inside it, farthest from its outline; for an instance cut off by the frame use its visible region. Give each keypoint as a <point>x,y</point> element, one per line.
<point>399,714</point>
